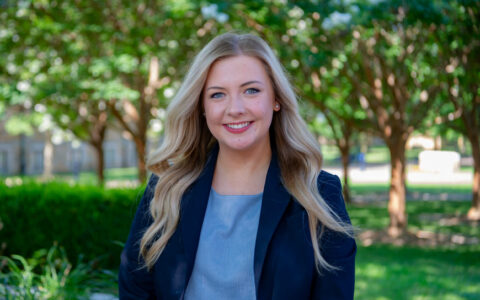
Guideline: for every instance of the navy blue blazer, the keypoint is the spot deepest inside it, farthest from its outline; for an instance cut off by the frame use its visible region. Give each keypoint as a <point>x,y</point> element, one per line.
<point>284,266</point>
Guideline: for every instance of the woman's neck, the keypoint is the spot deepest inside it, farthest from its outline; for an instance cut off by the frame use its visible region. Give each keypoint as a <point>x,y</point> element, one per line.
<point>241,172</point>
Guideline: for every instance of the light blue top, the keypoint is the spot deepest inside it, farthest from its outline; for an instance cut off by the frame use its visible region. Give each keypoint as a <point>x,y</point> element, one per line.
<point>223,266</point>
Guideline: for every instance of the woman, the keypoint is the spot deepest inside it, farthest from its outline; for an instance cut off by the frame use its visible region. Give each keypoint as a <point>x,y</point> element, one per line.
<point>238,207</point>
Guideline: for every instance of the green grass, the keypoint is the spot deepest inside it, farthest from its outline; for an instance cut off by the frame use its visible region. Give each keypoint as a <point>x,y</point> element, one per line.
<point>422,215</point>
<point>86,178</point>
<point>368,188</point>
<point>110,174</point>
<point>330,153</point>
<point>388,272</point>
<point>466,169</point>
<point>368,217</point>
<point>377,155</point>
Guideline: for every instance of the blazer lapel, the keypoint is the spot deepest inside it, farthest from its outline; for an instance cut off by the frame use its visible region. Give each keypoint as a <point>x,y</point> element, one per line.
<point>193,207</point>
<point>274,203</point>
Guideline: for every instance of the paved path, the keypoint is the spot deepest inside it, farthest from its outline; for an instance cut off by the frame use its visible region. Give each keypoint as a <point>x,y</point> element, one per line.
<point>381,174</point>
<point>371,174</point>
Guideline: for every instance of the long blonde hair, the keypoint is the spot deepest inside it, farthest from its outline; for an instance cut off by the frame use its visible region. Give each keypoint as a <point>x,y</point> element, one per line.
<point>181,157</point>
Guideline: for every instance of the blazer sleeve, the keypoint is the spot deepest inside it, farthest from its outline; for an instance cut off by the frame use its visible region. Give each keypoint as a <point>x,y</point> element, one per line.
<point>338,249</point>
<point>134,281</point>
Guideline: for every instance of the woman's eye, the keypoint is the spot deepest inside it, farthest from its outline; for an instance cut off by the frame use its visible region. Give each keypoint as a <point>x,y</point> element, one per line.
<point>216,95</point>
<point>252,91</point>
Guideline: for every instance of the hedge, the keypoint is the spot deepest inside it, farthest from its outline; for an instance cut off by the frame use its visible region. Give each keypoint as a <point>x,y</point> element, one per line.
<point>87,220</point>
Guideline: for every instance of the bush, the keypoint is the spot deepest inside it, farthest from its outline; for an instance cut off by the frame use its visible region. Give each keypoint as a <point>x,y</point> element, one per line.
<point>47,275</point>
<point>86,220</point>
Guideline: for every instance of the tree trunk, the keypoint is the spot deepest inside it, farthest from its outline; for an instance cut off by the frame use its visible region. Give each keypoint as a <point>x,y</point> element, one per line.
<point>474,211</point>
<point>437,143</point>
<point>138,135</point>
<point>396,203</point>
<point>100,163</point>
<point>22,161</point>
<point>97,136</point>
<point>461,144</point>
<point>142,169</point>
<point>48,156</point>
<point>345,151</point>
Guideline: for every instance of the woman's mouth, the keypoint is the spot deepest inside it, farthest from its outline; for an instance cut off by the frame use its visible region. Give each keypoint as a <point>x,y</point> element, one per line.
<point>238,127</point>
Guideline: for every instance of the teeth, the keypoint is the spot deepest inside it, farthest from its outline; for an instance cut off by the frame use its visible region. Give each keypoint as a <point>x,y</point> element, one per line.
<point>238,125</point>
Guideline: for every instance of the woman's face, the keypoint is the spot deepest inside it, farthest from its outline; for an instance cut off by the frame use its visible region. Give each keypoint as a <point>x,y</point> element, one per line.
<point>239,101</point>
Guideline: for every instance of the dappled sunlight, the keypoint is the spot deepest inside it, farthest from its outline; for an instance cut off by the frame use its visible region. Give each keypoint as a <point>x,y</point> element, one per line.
<point>411,273</point>
<point>374,271</point>
<point>420,238</point>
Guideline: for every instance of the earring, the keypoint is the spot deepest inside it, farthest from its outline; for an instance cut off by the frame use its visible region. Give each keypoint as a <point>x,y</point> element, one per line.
<point>277,107</point>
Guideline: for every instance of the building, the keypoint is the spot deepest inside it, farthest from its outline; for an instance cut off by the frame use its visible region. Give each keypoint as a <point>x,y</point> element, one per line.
<point>27,153</point>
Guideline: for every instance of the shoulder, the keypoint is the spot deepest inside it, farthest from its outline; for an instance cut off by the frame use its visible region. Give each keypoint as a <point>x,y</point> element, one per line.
<point>328,183</point>
<point>143,210</point>
<point>330,188</point>
<point>152,182</point>
<point>150,188</point>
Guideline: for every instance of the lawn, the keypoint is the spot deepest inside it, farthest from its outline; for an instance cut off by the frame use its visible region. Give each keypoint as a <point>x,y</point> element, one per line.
<point>382,188</point>
<point>85,178</point>
<point>110,174</point>
<point>388,272</point>
<point>412,272</point>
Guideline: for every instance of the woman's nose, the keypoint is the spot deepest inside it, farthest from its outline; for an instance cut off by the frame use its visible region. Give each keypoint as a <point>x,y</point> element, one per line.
<point>236,105</point>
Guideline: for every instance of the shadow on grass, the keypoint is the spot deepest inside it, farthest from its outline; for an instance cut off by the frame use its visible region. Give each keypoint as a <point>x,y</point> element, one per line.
<point>439,217</point>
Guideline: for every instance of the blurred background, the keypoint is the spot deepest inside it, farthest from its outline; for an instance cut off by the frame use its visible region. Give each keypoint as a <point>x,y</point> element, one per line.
<point>390,88</point>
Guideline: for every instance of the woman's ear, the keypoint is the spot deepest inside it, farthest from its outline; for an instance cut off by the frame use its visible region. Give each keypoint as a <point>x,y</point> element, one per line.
<point>276,106</point>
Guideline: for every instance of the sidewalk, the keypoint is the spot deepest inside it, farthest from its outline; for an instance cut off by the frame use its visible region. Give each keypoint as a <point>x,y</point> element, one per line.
<point>381,174</point>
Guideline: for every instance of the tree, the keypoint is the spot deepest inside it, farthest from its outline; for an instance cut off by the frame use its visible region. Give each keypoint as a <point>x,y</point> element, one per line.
<point>388,61</point>
<point>459,44</point>
<point>131,51</point>
<point>17,110</point>
<point>322,86</point>
<point>142,52</point>
<point>48,84</point>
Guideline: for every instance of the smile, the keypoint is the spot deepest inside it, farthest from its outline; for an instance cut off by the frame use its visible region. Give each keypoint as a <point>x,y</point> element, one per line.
<point>238,127</point>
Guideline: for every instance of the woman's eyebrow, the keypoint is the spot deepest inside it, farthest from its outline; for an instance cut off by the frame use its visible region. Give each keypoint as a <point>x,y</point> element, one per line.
<point>242,85</point>
<point>250,82</point>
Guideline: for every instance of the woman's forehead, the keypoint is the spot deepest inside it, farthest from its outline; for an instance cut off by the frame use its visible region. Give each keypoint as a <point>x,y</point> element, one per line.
<point>237,69</point>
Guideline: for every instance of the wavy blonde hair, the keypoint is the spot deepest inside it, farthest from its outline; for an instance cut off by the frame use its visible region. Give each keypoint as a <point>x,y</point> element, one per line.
<point>182,156</point>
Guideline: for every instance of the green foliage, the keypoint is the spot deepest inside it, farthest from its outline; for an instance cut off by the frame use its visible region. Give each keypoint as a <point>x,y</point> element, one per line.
<point>47,275</point>
<point>85,220</point>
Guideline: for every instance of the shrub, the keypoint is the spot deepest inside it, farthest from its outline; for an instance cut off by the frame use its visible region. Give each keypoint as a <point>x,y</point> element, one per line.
<point>46,275</point>
<point>86,220</point>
